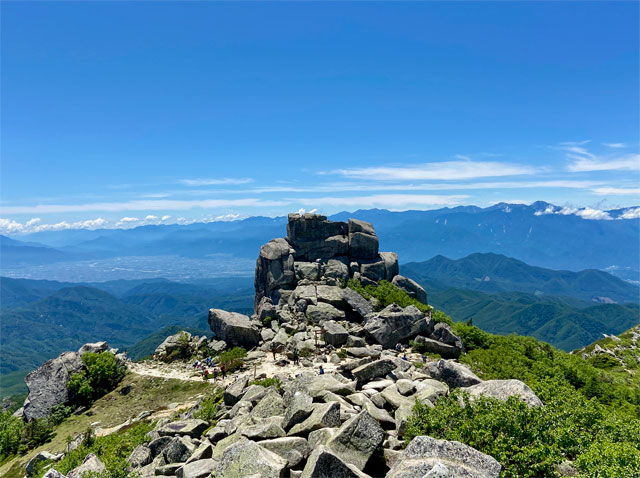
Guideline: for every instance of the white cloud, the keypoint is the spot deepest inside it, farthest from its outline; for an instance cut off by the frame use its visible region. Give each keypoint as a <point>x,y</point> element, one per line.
<point>585,212</point>
<point>387,201</point>
<point>214,181</point>
<point>615,145</point>
<point>142,205</point>
<point>127,221</point>
<point>9,226</point>
<point>165,218</point>
<point>446,170</point>
<point>617,191</point>
<point>631,213</point>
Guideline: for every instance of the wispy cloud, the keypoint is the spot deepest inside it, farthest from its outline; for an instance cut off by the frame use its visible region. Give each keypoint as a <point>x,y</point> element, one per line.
<point>388,201</point>
<point>445,170</point>
<point>142,205</point>
<point>617,191</point>
<point>615,145</point>
<point>583,160</point>
<point>214,181</point>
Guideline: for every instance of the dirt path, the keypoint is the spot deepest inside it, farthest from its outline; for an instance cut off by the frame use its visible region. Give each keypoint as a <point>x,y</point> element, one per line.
<point>265,366</point>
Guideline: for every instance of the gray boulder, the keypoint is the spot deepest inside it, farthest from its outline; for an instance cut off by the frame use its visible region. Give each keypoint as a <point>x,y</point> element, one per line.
<point>270,405</point>
<point>363,246</point>
<point>379,368</point>
<point>233,392</point>
<point>233,328</point>
<point>292,449</point>
<point>197,469</point>
<point>307,270</point>
<point>178,450</point>
<point>176,342</point>
<point>324,464</point>
<point>298,409</point>
<point>192,427</point>
<point>91,464</point>
<point>374,270</point>
<point>391,268</point>
<point>444,333</point>
<point>337,269</point>
<point>324,415</point>
<point>140,456</point>
<point>246,458</point>
<point>51,473</point>
<point>436,347</point>
<point>411,287</point>
<point>314,237</point>
<point>274,271</point>
<point>358,306</point>
<point>424,453</point>
<point>395,324</point>
<point>453,374</point>
<point>357,439</point>
<point>322,312</point>
<point>503,389</point>
<point>335,334</point>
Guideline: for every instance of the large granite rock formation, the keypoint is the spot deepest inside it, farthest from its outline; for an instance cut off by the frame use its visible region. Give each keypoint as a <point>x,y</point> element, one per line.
<point>48,383</point>
<point>319,250</point>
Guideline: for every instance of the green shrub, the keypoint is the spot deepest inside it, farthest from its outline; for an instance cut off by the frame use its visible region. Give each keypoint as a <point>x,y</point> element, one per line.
<point>103,373</point>
<point>11,430</point>
<point>232,359</point>
<point>604,361</point>
<point>209,406</point>
<point>530,442</point>
<point>606,459</point>
<point>342,353</point>
<point>439,316</point>
<point>472,337</point>
<point>267,321</point>
<point>387,294</point>
<point>112,449</point>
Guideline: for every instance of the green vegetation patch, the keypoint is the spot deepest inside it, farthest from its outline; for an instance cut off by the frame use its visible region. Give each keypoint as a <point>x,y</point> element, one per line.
<point>232,359</point>
<point>113,450</point>
<point>530,442</point>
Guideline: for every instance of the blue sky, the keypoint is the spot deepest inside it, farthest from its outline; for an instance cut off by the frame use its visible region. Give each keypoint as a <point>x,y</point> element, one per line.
<point>116,114</point>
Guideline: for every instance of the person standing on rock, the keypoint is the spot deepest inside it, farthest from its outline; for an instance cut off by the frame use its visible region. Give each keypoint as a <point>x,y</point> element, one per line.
<point>222,371</point>
<point>274,348</point>
<point>321,371</point>
<point>296,357</point>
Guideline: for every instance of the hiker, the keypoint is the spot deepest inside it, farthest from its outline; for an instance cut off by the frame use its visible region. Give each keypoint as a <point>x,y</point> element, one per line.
<point>321,371</point>
<point>205,375</point>
<point>154,357</point>
<point>223,371</point>
<point>296,357</point>
<point>424,358</point>
<point>404,357</point>
<point>215,374</point>
<point>398,347</point>
<point>274,348</point>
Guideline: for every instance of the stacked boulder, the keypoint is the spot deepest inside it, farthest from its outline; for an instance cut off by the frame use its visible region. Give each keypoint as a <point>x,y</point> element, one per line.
<point>302,294</point>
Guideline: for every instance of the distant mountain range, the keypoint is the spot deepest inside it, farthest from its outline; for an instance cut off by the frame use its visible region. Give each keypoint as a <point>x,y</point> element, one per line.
<point>497,273</point>
<point>540,234</point>
<point>45,318</point>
